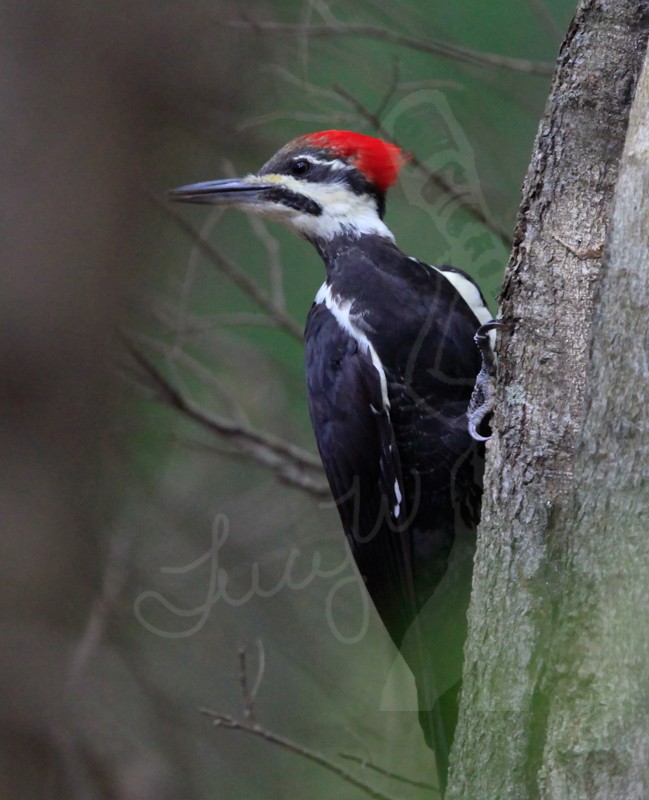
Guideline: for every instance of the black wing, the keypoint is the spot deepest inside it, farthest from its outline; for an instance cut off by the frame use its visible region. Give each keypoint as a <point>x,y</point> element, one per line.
<point>356,440</point>
<point>417,455</point>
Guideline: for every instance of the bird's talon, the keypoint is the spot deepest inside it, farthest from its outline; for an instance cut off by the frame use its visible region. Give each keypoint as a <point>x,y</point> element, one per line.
<point>481,403</point>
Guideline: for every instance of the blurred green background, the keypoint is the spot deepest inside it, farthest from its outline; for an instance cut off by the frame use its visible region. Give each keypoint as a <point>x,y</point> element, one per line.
<point>198,548</point>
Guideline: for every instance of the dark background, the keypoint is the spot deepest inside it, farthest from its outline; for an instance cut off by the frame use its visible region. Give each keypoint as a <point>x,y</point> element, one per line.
<point>108,652</point>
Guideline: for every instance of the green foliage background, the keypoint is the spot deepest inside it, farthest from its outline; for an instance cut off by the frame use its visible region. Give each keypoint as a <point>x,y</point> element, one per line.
<point>472,124</point>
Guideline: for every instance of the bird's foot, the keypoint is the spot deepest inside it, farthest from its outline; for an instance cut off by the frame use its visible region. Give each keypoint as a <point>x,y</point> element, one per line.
<point>481,402</point>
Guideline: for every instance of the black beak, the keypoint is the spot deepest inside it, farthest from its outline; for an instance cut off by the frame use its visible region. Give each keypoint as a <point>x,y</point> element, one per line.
<point>234,191</point>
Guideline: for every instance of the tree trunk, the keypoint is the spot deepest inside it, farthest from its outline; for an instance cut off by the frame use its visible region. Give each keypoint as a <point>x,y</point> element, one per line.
<point>553,675</point>
<point>597,742</point>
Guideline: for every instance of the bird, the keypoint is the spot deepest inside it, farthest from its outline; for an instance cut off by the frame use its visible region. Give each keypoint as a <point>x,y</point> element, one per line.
<point>391,367</point>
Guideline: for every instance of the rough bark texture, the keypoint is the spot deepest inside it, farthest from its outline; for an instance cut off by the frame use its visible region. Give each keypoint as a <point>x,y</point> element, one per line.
<point>597,743</point>
<point>509,706</point>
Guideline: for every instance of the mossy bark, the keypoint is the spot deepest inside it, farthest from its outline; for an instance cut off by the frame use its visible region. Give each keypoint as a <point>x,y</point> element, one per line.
<point>561,551</point>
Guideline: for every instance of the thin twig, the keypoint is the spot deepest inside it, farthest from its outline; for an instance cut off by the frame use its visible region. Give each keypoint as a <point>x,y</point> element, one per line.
<point>232,271</point>
<point>275,269</point>
<point>322,93</point>
<point>206,376</point>
<point>430,83</point>
<point>267,449</point>
<point>115,575</point>
<point>226,721</point>
<point>248,701</point>
<point>473,208</point>
<point>248,695</point>
<point>261,668</point>
<point>393,775</point>
<point>253,727</point>
<point>390,91</point>
<point>435,46</point>
<point>321,119</point>
<point>270,245</point>
<point>285,472</point>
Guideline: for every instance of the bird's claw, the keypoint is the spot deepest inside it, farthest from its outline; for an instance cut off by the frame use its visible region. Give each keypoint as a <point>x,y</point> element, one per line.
<point>481,402</point>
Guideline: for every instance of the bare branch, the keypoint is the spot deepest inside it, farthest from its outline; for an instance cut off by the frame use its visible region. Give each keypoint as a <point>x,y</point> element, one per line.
<point>261,668</point>
<point>390,91</point>
<point>474,209</point>
<point>265,448</point>
<point>297,478</point>
<point>430,83</point>
<point>434,46</point>
<point>232,271</point>
<point>255,729</point>
<point>271,246</point>
<point>393,775</point>
<point>285,472</point>
<point>205,375</point>
<point>248,700</point>
<point>322,119</point>
<point>114,578</point>
<point>322,93</point>
<point>197,326</point>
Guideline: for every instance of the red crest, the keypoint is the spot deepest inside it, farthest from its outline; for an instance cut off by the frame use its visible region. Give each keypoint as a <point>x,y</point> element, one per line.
<point>379,161</point>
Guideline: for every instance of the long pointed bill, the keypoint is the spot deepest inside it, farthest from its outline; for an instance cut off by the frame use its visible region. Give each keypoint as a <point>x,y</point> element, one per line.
<point>235,191</point>
<point>272,196</point>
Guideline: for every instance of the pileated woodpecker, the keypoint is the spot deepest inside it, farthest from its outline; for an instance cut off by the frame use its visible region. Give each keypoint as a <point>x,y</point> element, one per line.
<point>391,365</point>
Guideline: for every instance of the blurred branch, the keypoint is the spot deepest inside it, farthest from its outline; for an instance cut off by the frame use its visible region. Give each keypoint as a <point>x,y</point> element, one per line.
<point>232,271</point>
<point>324,94</point>
<point>434,46</point>
<point>297,478</point>
<point>290,462</point>
<point>389,92</point>
<point>271,246</point>
<point>163,312</point>
<point>386,773</point>
<point>247,696</point>
<point>255,729</point>
<point>261,668</point>
<point>478,213</point>
<point>114,578</point>
<point>322,119</point>
<point>181,357</point>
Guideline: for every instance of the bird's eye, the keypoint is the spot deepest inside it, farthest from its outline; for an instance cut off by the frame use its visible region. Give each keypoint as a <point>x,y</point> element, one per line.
<point>300,167</point>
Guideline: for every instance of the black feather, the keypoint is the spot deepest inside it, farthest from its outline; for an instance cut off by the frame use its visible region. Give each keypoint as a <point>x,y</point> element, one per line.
<point>415,455</point>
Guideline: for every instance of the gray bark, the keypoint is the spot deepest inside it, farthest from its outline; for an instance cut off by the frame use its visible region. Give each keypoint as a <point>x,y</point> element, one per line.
<point>538,631</point>
<point>597,743</point>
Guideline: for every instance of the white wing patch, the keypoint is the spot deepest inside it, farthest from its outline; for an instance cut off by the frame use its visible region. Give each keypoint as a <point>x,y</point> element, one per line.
<point>341,310</point>
<point>396,511</point>
<point>471,295</point>
<point>342,313</point>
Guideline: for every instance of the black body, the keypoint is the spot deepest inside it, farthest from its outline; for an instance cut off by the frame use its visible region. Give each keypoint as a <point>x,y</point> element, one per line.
<point>422,331</point>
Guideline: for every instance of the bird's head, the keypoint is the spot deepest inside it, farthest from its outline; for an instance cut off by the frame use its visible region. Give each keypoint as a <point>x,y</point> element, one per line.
<point>321,185</point>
